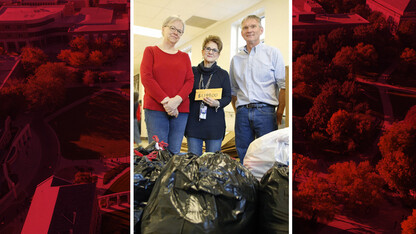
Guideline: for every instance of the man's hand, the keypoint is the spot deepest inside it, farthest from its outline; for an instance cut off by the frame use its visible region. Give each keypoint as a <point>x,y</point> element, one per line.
<point>281,107</point>
<point>211,102</point>
<point>233,101</point>
<point>279,116</point>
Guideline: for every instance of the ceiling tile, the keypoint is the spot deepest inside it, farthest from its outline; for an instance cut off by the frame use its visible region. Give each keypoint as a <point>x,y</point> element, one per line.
<point>158,3</point>
<point>146,10</point>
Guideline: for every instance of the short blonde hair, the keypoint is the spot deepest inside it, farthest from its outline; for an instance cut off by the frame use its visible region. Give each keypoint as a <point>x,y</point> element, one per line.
<point>215,39</point>
<point>258,19</point>
<point>171,19</point>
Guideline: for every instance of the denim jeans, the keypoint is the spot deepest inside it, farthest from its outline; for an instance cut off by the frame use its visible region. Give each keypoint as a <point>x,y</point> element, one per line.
<point>167,128</point>
<point>195,145</point>
<point>252,123</point>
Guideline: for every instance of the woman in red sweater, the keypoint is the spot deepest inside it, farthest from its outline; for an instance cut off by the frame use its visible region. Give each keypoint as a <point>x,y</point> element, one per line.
<point>168,79</point>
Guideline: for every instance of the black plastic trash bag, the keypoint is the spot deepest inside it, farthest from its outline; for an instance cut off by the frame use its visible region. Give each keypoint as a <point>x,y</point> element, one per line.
<point>140,151</point>
<point>145,151</point>
<point>208,194</point>
<point>145,174</point>
<point>164,155</point>
<point>273,196</point>
<point>138,213</point>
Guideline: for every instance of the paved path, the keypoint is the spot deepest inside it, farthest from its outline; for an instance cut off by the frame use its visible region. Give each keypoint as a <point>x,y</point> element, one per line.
<point>7,65</point>
<point>72,105</point>
<point>383,89</point>
<point>82,100</point>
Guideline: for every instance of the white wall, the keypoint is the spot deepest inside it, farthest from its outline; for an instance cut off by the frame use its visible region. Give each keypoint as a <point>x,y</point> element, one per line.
<point>277,31</point>
<point>277,35</point>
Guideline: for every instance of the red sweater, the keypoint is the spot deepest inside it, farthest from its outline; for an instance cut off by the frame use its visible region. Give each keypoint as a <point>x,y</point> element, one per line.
<point>165,75</point>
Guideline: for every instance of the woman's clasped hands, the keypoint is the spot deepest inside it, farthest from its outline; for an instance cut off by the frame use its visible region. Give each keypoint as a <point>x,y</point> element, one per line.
<point>171,105</point>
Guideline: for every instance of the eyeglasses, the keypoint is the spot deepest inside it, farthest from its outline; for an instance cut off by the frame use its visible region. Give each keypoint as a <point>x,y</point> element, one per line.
<point>174,29</point>
<point>208,49</point>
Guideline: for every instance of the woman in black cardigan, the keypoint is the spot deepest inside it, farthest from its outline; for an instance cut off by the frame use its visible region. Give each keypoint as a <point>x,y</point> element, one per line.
<point>206,121</point>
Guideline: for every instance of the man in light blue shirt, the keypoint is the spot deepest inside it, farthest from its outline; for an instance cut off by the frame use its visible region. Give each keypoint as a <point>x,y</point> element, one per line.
<point>257,73</point>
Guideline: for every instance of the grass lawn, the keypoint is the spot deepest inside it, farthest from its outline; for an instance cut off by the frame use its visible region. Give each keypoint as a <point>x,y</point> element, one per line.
<point>121,185</point>
<point>97,128</point>
<point>116,222</point>
<point>400,79</point>
<point>401,103</point>
<point>76,93</point>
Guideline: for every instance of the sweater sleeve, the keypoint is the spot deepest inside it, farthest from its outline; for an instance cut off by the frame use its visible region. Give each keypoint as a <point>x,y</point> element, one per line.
<point>226,90</point>
<point>150,84</point>
<point>192,94</point>
<point>189,80</point>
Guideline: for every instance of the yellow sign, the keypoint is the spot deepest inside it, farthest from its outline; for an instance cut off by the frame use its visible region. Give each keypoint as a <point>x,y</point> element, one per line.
<point>212,93</point>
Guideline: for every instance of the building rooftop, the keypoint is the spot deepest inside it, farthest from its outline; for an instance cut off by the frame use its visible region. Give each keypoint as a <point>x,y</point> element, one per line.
<point>113,2</point>
<point>298,6</point>
<point>25,13</point>
<point>58,206</point>
<point>117,25</point>
<point>95,15</point>
<point>399,6</point>
<point>35,1</point>
<point>326,19</point>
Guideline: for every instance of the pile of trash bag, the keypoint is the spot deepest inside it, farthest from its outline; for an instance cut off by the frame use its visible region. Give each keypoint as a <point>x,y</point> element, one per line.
<point>273,193</point>
<point>146,172</point>
<point>208,194</point>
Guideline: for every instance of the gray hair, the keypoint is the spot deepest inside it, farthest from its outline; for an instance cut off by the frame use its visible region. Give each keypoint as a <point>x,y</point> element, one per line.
<point>171,19</point>
<point>258,19</point>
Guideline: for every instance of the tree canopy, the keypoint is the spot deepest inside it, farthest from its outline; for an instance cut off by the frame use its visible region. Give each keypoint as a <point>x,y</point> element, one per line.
<point>398,150</point>
<point>314,200</point>
<point>359,186</point>
<point>409,225</point>
<point>32,57</point>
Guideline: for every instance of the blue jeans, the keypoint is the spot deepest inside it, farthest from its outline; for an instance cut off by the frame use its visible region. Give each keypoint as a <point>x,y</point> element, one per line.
<point>252,123</point>
<point>167,128</point>
<point>195,145</point>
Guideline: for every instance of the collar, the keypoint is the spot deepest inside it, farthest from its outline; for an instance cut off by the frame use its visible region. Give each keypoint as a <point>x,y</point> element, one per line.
<point>254,48</point>
<point>207,70</point>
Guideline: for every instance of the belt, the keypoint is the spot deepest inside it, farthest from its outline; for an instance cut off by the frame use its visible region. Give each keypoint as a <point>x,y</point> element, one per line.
<point>255,105</point>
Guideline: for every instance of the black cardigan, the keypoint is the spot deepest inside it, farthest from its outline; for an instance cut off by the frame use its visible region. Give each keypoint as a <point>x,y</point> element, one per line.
<point>213,127</point>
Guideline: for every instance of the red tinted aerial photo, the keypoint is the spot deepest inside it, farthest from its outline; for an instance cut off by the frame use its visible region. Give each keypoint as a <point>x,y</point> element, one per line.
<point>354,98</point>
<point>64,116</point>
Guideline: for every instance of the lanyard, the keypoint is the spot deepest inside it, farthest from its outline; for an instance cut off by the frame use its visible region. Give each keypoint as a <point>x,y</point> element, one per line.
<point>201,82</point>
<point>203,108</point>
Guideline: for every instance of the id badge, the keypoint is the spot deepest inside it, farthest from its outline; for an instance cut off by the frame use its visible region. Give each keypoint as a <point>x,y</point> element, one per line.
<point>203,112</point>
